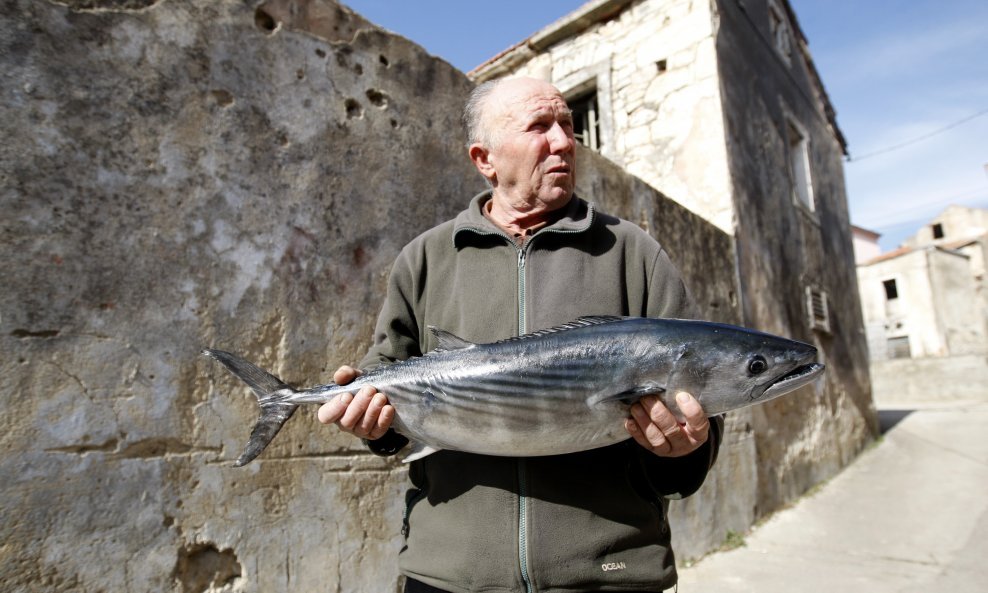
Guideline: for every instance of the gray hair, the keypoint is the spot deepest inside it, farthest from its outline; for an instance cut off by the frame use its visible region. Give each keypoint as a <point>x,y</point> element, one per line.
<point>473,114</point>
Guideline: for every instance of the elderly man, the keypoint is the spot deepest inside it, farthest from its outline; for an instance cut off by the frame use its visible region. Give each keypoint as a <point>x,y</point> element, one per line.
<point>527,255</point>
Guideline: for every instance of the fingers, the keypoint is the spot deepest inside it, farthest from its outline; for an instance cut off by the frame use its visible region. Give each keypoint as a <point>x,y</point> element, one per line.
<point>696,423</point>
<point>367,414</point>
<point>345,374</point>
<point>655,427</point>
<point>333,410</point>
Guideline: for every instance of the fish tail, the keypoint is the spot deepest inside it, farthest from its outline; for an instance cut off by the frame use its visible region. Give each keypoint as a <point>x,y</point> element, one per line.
<point>270,392</point>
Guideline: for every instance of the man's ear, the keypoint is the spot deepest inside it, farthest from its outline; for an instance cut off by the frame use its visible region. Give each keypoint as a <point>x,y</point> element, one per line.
<point>481,159</point>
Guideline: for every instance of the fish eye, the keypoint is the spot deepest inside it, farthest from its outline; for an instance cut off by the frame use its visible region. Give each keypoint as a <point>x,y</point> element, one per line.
<point>758,365</point>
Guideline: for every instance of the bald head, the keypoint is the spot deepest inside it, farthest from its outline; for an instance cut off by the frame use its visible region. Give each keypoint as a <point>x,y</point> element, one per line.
<point>493,100</point>
<point>522,143</point>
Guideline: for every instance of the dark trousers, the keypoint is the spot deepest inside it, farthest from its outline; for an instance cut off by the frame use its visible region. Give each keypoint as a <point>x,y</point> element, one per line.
<point>413,586</point>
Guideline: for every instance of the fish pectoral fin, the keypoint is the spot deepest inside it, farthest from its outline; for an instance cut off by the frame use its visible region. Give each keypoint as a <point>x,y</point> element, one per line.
<point>448,341</point>
<point>628,396</point>
<point>418,451</point>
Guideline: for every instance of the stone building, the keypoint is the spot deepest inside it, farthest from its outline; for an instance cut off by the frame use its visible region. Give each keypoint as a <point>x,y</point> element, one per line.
<point>926,310</point>
<point>718,106</point>
<point>241,175</point>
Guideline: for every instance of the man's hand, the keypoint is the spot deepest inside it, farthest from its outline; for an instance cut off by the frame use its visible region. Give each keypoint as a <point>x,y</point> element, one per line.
<point>654,427</point>
<point>367,415</point>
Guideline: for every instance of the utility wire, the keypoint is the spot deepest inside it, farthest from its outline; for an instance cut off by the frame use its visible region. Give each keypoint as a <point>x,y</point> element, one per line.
<point>917,139</point>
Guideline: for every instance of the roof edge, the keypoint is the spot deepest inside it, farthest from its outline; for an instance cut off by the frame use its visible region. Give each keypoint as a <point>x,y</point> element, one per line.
<point>573,23</point>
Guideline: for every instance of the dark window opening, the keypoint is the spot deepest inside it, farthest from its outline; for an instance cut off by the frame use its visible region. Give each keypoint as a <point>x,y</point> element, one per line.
<point>891,291</point>
<point>586,120</point>
<point>938,231</point>
<point>799,166</point>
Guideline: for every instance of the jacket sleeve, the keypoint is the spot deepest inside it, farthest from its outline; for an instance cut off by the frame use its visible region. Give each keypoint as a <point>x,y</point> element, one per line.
<point>396,334</point>
<point>679,477</point>
<point>395,337</point>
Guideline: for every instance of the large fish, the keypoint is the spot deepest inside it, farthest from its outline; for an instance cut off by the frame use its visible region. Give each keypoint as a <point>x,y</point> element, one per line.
<point>554,391</point>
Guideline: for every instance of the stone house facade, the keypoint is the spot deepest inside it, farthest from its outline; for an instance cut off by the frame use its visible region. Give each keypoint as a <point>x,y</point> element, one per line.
<point>718,106</point>
<point>926,310</point>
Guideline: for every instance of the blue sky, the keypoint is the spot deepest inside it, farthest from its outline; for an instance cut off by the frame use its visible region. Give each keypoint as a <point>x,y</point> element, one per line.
<point>896,71</point>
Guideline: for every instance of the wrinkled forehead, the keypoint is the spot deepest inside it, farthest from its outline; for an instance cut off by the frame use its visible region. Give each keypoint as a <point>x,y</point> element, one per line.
<point>524,99</point>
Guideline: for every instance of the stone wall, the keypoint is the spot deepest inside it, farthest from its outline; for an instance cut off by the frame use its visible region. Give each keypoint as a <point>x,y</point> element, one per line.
<point>196,174</point>
<point>910,382</point>
<point>185,174</point>
<point>784,247</point>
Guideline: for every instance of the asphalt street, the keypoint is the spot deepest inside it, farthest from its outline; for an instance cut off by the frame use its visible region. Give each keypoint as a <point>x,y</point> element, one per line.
<point>909,515</point>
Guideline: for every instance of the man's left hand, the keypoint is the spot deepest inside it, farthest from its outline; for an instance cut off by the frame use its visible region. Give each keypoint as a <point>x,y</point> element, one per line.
<point>656,428</point>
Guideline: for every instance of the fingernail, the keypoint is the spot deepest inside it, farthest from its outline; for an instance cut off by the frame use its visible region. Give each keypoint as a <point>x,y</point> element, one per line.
<point>682,397</point>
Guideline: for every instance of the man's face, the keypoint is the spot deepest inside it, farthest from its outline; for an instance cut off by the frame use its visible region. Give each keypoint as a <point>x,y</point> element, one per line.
<point>534,149</point>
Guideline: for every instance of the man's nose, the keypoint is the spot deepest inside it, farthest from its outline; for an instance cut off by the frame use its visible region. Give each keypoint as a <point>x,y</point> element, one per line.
<point>559,139</point>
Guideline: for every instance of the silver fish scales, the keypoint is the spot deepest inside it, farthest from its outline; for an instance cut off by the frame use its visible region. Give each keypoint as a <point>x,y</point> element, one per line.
<point>555,391</point>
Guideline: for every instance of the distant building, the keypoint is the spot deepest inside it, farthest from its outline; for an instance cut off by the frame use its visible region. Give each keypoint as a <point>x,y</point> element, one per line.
<point>928,298</point>
<point>925,308</point>
<point>866,245</point>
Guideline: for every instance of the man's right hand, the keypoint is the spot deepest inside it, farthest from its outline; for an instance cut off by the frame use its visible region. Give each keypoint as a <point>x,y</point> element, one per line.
<point>367,414</point>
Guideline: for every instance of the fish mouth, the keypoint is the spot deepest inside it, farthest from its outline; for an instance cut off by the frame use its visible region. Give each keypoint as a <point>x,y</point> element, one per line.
<point>794,379</point>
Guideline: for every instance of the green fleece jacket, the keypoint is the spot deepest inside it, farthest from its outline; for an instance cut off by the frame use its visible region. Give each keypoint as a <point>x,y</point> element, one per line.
<point>589,521</point>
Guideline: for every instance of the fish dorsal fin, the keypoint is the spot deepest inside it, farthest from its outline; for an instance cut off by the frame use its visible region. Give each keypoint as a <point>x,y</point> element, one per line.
<point>448,341</point>
<point>595,320</point>
<point>576,323</point>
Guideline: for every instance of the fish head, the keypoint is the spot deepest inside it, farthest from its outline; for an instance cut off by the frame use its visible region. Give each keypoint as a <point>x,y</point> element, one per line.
<point>733,367</point>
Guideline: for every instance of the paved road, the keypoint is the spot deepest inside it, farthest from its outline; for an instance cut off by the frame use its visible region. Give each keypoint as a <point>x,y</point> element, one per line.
<point>910,515</point>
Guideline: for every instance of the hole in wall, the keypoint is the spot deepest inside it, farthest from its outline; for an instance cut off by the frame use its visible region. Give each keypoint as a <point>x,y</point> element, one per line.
<point>377,98</point>
<point>205,567</point>
<point>264,21</point>
<point>353,109</point>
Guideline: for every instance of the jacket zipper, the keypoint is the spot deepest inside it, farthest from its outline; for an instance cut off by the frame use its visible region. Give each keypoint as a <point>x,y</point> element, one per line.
<point>522,485</point>
<point>522,328</point>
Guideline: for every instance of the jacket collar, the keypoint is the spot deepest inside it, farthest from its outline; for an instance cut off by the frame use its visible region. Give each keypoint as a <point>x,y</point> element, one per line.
<point>578,216</point>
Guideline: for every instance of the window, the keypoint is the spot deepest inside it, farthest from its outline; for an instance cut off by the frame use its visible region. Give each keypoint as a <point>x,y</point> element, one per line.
<point>586,120</point>
<point>799,165</point>
<point>891,291</point>
<point>937,231</point>
<point>817,309</point>
<point>778,26</point>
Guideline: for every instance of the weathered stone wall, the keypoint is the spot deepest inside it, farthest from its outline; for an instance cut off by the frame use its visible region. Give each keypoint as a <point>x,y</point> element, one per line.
<point>784,247</point>
<point>196,174</point>
<point>908,382</point>
<point>177,175</point>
